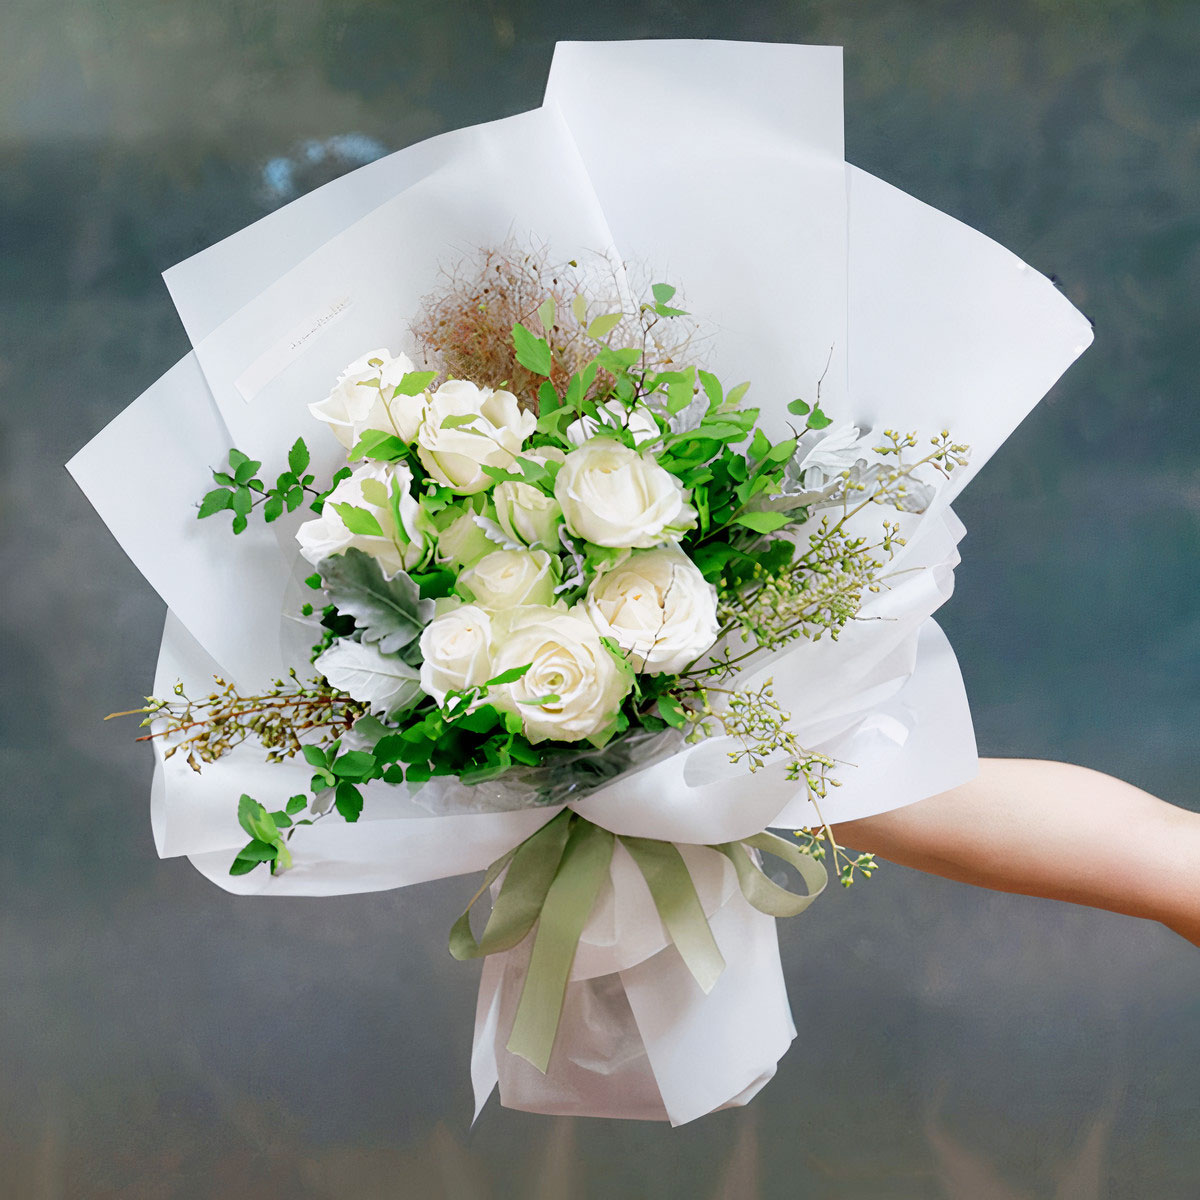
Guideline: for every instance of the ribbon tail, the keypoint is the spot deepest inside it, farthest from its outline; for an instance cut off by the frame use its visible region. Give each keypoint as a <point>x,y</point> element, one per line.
<point>567,906</point>
<point>764,894</point>
<point>675,898</point>
<point>531,870</point>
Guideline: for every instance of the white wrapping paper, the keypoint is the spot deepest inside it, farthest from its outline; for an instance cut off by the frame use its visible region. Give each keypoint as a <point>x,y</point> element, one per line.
<point>802,267</point>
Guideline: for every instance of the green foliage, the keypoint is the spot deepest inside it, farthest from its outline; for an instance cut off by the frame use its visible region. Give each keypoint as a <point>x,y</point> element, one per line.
<point>240,489</point>
<point>533,352</point>
<point>266,843</point>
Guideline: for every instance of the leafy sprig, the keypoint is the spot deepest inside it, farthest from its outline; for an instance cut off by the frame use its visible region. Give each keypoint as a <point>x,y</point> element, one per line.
<point>240,490</point>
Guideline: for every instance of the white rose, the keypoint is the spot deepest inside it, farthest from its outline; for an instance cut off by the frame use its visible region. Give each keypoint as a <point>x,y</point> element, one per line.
<point>658,608</point>
<point>395,548</point>
<point>507,578</point>
<point>455,456</point>
<point>526,513</point>
<point>357,403</point>
<point>585,682</point>
<point>455,647</point>
<point>639,420</point>
<point>614,496</point>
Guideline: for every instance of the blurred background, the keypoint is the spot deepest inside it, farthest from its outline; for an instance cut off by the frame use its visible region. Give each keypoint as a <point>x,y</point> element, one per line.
<point>159,1038</point>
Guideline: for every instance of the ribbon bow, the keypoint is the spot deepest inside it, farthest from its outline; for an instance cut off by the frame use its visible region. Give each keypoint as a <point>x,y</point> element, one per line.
<point>553,878</point>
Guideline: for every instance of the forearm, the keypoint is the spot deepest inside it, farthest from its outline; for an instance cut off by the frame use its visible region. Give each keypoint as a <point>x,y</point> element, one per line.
<point>1055,830</point>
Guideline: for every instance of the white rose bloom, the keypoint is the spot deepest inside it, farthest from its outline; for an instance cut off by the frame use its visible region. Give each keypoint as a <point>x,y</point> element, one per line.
<point>569,663</point>
<point>355,404</point>
<point>396,549</point>
<point>526,513</point>
<point>456,648</point>
<point>455,457</point>
<point>658,608</point>
<point>639,420</point>
<point>508,578</point>
<point>614,496</point>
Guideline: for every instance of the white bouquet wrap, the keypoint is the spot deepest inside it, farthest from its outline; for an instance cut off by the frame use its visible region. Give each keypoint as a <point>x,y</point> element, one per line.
<point>809,271</point>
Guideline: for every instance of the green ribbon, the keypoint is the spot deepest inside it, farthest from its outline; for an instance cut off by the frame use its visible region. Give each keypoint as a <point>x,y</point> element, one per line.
<point>553,878</point>
<point>764,894</point>
<point>682,914</point>
<point>533,865</point>
<point>568,905</point>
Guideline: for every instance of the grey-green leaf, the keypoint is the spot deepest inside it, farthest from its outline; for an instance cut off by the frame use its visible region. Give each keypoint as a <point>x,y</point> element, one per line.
<point>389,612</point>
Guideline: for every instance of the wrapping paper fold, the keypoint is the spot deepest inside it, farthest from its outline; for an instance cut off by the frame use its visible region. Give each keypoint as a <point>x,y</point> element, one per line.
<point>804,269</point>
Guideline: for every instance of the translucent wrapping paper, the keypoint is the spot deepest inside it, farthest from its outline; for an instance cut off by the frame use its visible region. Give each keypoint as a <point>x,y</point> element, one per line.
<point>720,166</point>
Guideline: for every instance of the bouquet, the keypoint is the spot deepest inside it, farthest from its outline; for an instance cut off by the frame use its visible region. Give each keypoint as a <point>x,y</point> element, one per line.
<point>577,614</point>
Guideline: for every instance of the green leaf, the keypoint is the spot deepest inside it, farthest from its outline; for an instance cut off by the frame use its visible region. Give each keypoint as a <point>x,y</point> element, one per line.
<point>390,612</point>
<point>617,359</point>
<point>313,580</point>
<point>298,457</point>
<point>215,501</point>
<point>246,471</point>
<point>459,422</point>
<point>255,819</point>
<point>251,855</point>
<point>414,383</point>
<point>798,408</point>
<point>551,423</point>
<point>818,420</point>
<point>314,756</point>
<point>533,353</point>
<point>237,458</point>
<point>479,720</point>
<point>239,523</point>
<point>348,801</point>
<point>734,396</point>
<point>354,764</point>
<point>374,443</point>
<point>662,292</point>
<point>548,399</point>
<point>358,520</point>
<point>509,676</point>
<point>601,327</point>
<point>281,819</point>
<point>295,804</point>
<point>781,451</point>
<point>672,712</point>
<point>375,492</point>
<point>759,445</point>
<point>223,477</point>
<point>242,501</point>
<point>273,508</point>
<point>681,390</point>
<point>546,313</point>
<point>712,389</point>
<point>579,309</point>
<point>762,522</point>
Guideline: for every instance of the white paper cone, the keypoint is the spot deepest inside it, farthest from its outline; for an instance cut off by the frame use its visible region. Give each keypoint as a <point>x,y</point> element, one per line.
<point>645,1043</point>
